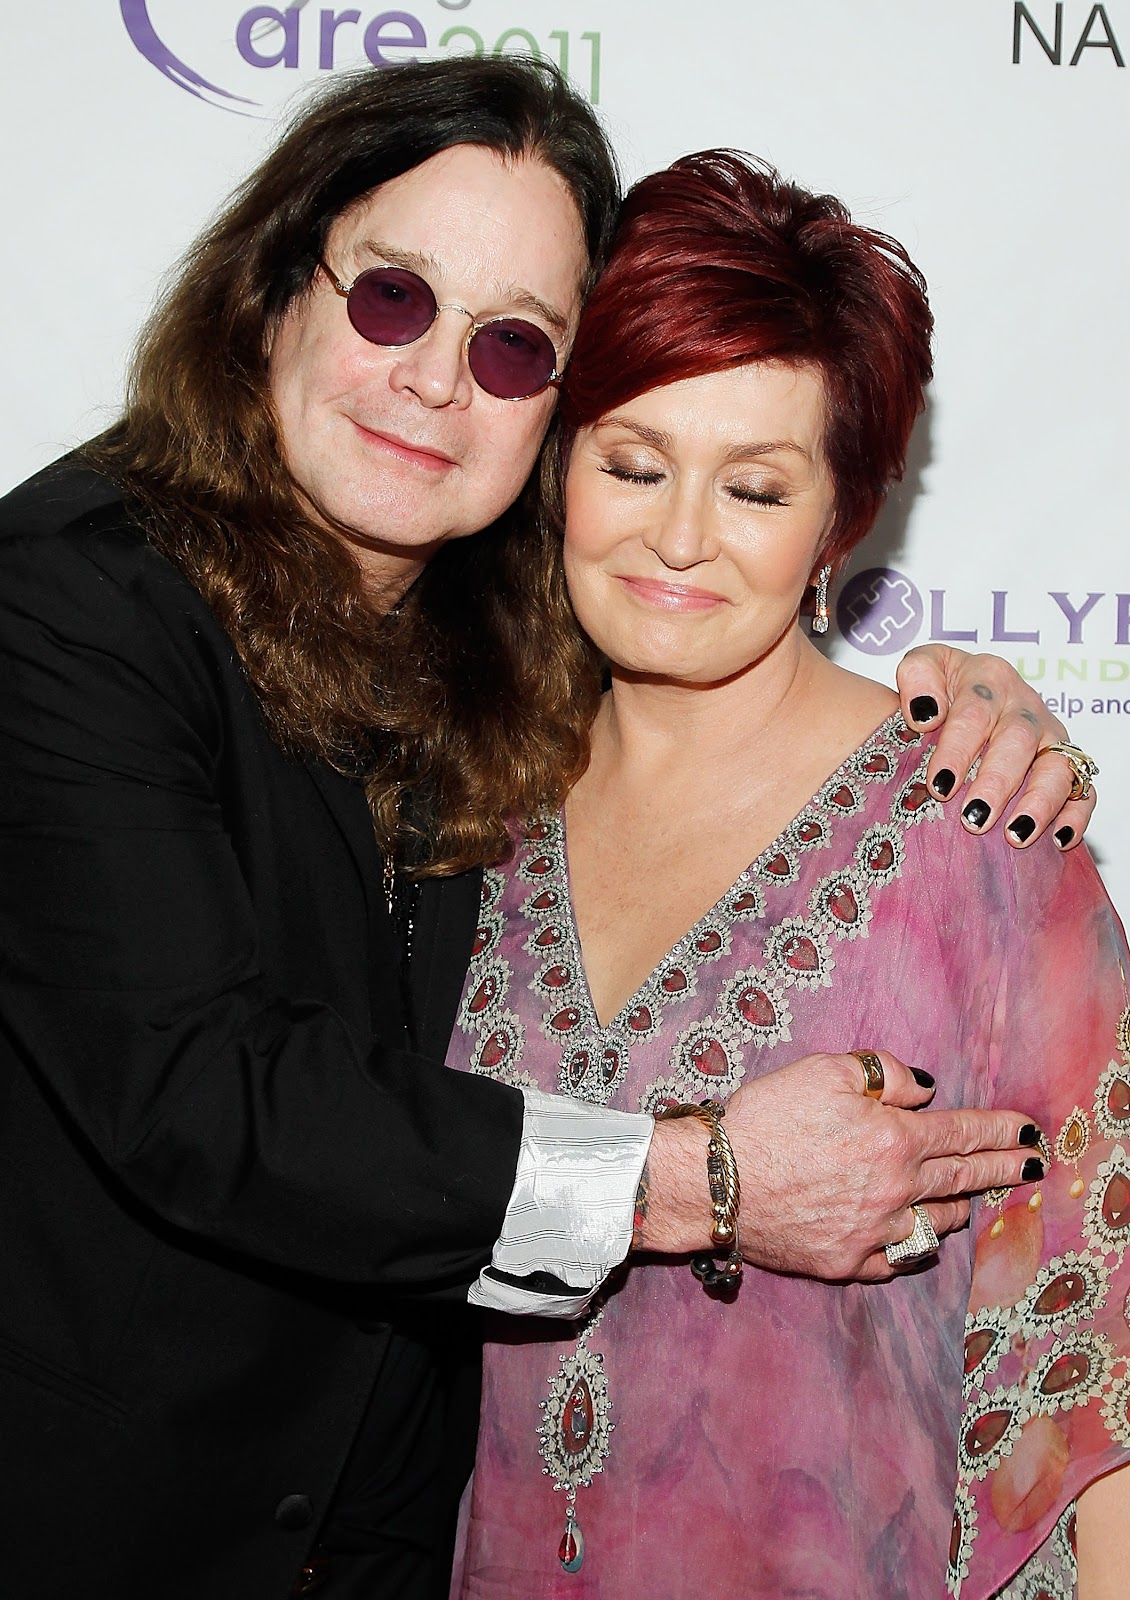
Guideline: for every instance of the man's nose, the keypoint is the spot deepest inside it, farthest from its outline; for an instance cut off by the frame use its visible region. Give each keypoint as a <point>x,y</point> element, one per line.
<point>434,367</point>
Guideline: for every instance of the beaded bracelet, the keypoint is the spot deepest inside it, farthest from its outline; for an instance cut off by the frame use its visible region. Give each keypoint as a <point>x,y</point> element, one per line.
<point>725,1195</point>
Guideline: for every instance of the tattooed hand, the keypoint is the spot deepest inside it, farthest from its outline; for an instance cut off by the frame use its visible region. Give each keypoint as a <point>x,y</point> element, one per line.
<point>980,706</point>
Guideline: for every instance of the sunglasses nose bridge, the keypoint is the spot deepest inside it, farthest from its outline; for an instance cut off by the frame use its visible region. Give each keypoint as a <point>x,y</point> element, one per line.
<point>434,364</point>
<point>450,305</point>
<point>473,325</point>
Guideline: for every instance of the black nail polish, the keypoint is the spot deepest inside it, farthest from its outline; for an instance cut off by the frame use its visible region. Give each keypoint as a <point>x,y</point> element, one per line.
<point>923,708</point>
<point>1064,836</point>
<point>1032,1170</point>
<point>1028,1135</point>
<point>944,781</point>
<point>1022,827</point>
<point>922,1079</point>
<point>976,813</point>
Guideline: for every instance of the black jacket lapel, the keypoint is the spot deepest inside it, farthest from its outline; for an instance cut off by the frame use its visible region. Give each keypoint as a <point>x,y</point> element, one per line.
<point>345,801</point>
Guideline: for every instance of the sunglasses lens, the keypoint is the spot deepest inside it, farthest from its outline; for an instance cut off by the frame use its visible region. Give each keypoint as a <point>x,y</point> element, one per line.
<point>511,359</point>
<point>387,305</point>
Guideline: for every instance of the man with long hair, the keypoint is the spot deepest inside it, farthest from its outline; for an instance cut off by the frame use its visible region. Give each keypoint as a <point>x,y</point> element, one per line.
<point>283,649</point>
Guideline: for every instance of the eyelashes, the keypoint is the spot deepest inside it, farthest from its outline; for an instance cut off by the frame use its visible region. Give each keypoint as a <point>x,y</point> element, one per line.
<point>631,475</point>
<point>737,491</point>
<point>756,497</point>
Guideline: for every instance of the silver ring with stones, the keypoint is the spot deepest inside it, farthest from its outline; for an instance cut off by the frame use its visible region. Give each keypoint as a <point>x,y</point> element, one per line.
<point>923,1241</point>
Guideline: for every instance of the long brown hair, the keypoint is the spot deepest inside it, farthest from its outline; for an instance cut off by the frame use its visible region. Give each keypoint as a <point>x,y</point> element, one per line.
<point>477,691</point>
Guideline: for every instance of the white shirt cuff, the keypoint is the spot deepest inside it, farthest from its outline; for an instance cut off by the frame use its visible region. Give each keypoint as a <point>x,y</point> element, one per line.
<point>571,1210</point>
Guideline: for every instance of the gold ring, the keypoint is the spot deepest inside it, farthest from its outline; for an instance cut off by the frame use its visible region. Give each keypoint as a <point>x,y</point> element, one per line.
<point>873,1079</point>
<point>1083,768</point>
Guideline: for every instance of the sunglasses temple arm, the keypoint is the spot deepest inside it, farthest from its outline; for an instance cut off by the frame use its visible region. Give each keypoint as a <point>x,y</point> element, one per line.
<point>338,286</point>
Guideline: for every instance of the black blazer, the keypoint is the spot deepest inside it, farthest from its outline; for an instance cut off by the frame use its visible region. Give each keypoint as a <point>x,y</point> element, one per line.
<point>235,1202</point>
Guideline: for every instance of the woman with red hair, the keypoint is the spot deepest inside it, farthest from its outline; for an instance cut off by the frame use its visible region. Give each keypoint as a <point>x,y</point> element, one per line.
<point>755,868</point>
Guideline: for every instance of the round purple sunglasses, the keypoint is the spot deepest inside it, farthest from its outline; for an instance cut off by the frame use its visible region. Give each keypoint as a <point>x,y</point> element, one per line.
<point>509,357</point>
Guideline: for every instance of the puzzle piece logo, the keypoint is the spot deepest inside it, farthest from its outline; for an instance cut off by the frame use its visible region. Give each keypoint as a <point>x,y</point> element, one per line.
<point>880,612</point>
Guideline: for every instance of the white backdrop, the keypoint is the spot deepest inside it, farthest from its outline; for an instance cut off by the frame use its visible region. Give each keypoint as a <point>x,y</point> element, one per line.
<point>990,137</point>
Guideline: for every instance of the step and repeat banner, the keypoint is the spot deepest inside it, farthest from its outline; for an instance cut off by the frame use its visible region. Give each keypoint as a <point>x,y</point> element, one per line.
<point>990,136</point>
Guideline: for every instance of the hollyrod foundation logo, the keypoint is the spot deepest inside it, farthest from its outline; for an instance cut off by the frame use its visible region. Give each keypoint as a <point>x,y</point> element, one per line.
<point>882,612</point>
<point>302,38</point>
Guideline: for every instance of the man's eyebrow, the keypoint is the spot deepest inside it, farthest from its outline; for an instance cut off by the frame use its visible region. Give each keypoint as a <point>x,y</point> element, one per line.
<point>418,261</point>
<point>738,452</point>
<point>526,300</point>
<point>390,255</point>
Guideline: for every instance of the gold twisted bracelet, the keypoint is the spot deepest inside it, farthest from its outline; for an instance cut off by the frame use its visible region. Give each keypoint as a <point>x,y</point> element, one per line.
<point>725,1195</point>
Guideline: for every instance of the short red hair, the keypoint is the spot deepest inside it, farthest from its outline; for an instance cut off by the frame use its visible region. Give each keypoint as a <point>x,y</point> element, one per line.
<point>719,262</point>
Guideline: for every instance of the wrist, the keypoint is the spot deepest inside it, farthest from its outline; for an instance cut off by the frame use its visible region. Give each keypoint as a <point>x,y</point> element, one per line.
<point>673,1214</point>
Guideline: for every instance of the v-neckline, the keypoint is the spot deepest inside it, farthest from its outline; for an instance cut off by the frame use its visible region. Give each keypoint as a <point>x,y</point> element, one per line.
<point>679,950</point>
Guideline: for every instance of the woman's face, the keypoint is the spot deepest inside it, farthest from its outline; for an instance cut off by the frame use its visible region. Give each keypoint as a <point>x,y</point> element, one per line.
<point>694,518</point>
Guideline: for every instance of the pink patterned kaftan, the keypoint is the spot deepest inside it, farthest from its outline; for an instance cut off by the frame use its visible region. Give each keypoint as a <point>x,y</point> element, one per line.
<point>882,1442</point>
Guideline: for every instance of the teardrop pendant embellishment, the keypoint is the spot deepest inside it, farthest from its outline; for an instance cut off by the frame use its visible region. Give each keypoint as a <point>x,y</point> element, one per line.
<point>574,1432</point>
<point>571,1550</point>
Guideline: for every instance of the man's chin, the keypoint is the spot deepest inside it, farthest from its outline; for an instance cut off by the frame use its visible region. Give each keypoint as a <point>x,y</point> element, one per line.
<point>389,566</point>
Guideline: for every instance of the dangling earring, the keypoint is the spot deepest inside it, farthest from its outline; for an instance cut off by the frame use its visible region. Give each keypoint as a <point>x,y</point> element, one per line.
<point>820,615</point>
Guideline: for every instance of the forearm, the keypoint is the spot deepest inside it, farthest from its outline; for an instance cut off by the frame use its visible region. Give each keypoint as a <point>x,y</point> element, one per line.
<point>672,1214</point>
<point>267,1128</point>
<point>824,1173</point>
<point>571,1218</point>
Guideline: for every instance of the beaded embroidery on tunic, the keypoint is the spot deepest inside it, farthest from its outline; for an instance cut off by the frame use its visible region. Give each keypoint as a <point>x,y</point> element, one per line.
<point>753,1010</point>
<point>1054,1359</point>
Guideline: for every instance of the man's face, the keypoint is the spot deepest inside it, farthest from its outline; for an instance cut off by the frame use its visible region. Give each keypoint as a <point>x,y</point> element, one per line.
<point>398,446</point>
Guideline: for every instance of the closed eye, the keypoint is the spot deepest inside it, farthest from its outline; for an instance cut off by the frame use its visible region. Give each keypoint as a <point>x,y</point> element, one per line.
<point>631,475</point>
<point>756,497</point>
